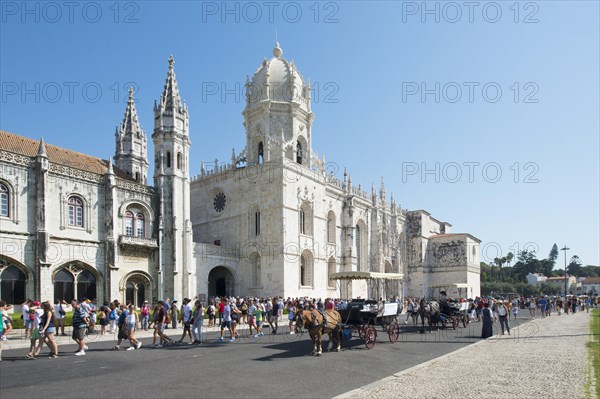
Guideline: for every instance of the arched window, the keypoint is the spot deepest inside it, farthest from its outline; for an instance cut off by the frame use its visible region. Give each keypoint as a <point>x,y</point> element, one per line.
<point>129,223</point>
<point>358,249</point>
<point>179,161</point>
<point>302,221</point>
<point>139,225</point>
<point>63,285</point>
<point>331,227</point>
<point>168,159</point>
<point>12,285</point>
<point>86,285</point>
<point>135,290</point>
<point>137,176</point>
<point>4,202</point>
<point>305,219</point>
<point>261,155</point>
<point>330,270</point>
<point>306,269</point>
<point>75,211</point>
<point>299,153</point>
<point>255,271</point>
<point>303,267</point>
<point>257,223</point>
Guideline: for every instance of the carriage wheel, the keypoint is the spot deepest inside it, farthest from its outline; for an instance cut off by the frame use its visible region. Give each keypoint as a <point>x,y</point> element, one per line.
<point>465,320</point>
<point>454,322</point>
<point>370,336</point>
<point>393,331</point>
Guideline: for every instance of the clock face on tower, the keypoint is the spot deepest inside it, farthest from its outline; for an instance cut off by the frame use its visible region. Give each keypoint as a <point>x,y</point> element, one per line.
<point>219,202</point>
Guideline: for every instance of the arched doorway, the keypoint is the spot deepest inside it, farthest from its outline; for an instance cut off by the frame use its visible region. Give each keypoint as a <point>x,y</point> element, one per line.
<point>13,281</point>
<point>221,282</point>
<point>137,287</point>
<point>75,281</point>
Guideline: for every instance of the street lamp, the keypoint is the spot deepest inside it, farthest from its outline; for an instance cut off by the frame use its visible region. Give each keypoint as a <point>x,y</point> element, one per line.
<point>565,249</point>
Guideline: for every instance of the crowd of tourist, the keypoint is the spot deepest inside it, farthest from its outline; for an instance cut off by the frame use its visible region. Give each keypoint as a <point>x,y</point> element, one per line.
<point>44,321</point>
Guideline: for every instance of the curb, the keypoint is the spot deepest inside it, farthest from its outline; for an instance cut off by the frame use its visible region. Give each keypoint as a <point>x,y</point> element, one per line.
<point>385,380</point>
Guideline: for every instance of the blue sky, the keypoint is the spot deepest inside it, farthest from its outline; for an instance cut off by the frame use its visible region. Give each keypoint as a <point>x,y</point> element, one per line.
<point>508,89</point>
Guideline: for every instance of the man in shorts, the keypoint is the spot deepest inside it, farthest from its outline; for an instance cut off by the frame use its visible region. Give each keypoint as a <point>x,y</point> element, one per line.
<point>226,323</point>
<point>161,319</point>
<point>80,322</point>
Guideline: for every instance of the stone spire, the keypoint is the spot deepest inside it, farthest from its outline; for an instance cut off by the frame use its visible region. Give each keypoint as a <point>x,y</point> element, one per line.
<point>382,191</point>
<point>130,124</point>
<point>42,149</point>
<point>131,153</point>
<point>170,97</point>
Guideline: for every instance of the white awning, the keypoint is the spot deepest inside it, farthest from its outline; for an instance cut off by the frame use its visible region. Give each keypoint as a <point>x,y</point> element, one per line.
<point>449,285</point>
<point>356,275</point>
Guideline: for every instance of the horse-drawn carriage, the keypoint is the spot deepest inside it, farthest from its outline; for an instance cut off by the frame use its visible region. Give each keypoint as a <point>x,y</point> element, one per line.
<point>360,316</point>
<point>453,312</point>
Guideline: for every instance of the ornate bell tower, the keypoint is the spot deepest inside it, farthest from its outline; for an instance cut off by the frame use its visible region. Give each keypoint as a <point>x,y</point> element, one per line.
<point>277,117</point>
<point>131,154</point>
<point>171,177</point>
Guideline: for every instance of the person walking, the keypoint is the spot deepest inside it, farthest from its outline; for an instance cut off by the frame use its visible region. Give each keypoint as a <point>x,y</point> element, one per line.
<point>174,313</point>
<point>486,314</point>
<point>186,319</point>
<point>226,323</point>
<point>103,314</point>
<point>291,315</point>
<point>80,322</point>
<point>132,323</point>
<point>122,332</point>
<point>197,322</point>
<point>503,314</point>
<point>212,312</point>
<point>35,313</point>
<point>60,316</point>
<point>145,313</point>
<point>47,330</point>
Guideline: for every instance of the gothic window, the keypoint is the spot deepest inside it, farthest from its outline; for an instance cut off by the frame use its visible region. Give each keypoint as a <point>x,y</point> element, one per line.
<point>257,223</point>
<point>302,221</point>
<point>129,223</point>
<point>168,159</point>
<point>299,153</point>
<point>305,219</point>
<point>255,271</point>
<point>64,285</point>
<point>137,176</point>
<point>361,246</point>
<point>358,249</point>
<point>261,155</point>
<point>330,271</point>
<point>12,285</point>
<point>306,269</point>
<point>75,211</point>
<point>4,201</point>
<point>179,163</point>
<point>139,225</point>
<point>135,291</point>
<point>86,285</point>
<point>331,227</point>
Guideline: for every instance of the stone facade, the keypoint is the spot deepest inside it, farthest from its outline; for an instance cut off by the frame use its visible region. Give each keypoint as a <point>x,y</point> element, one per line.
<point>272,220</point>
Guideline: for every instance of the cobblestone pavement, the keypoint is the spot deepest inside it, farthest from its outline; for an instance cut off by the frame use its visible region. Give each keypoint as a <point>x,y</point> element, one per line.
<point>551,353</point>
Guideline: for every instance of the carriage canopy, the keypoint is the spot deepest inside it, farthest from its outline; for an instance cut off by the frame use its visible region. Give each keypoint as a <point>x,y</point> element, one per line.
<point>358,275</point>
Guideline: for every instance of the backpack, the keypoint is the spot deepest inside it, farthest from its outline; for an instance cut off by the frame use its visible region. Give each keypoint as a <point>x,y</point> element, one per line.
<point>112,315</point>
<point>167,318</point>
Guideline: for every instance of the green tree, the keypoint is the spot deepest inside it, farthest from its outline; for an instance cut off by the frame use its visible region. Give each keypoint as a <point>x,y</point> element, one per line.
<point>574,267</point>
<point>553,255</point>
<point>509,257</point>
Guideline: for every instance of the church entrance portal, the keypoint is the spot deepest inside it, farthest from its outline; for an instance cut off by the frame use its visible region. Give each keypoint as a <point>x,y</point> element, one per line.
<point>220,282</point>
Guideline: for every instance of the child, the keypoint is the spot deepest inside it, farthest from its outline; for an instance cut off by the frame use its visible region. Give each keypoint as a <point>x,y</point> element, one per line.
<point>291,315</point>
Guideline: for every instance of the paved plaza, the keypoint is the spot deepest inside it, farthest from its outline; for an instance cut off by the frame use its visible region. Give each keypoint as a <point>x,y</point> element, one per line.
<point>280,366</point>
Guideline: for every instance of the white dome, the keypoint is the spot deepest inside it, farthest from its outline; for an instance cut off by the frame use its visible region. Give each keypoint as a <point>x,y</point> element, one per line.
<point>281,78</point>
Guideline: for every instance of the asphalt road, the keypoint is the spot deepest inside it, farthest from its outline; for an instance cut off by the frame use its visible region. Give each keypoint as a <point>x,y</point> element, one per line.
<point>272,366</point>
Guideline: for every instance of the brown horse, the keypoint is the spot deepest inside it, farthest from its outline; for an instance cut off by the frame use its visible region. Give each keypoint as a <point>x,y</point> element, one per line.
<point>313,321</point>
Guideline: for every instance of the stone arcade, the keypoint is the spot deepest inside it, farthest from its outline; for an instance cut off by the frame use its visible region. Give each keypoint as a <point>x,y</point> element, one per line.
<point>271,221</point>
